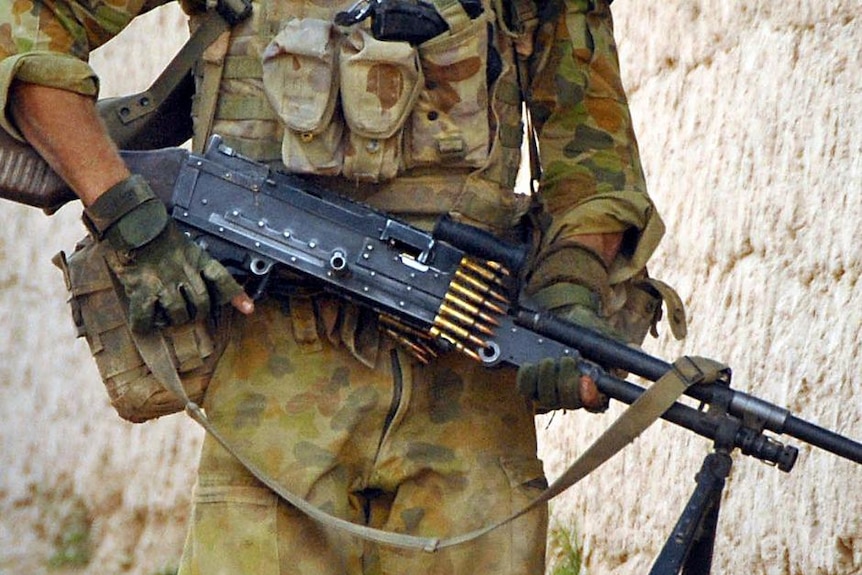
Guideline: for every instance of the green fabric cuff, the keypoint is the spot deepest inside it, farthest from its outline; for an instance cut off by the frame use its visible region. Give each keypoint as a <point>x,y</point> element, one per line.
<point>565,295</point>
<point>117,201</point>
<point>139,227</point>
<point>569,263</point>
<point>128,215</point>
<point>45,68</point>
<point>629,212</point>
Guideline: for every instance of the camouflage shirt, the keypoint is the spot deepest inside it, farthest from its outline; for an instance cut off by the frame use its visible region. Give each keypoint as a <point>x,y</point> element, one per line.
<point>592,180</point>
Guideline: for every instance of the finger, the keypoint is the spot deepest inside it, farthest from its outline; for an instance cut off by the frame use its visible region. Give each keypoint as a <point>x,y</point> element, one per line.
<point>546,386</point>
<point>176,308</point>
<point>194,290</point>
<point>243,303</point>
<point>569,384</point>
<point>194,297</point>
<point>591,397</point>
<point>526,380</point>
<point>141,311</point>
<point>224,287</point>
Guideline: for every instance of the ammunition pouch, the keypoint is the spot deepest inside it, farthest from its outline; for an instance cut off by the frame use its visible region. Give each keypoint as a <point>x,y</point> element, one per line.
<point>99,312</point>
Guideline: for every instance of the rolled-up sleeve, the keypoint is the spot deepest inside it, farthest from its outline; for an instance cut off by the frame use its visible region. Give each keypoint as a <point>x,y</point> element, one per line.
<point>49,43</point>
<point>592,180</point>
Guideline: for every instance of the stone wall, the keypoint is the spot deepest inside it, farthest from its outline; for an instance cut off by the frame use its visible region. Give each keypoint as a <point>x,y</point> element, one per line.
<point>76,481</point>
<point>749,120</point>
<point>748,117</point>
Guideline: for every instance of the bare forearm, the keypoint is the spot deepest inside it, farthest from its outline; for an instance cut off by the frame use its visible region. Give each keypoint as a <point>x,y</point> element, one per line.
<point>607,246</point>
<point>66,130</point>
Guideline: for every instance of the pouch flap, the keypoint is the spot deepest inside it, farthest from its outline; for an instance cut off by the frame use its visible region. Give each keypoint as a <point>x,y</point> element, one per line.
<point>300,74</point>
<point>380,82</point>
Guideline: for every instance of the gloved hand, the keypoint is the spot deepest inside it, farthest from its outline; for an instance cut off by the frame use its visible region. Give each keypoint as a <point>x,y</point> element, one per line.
<point>559,384</point>
<point>567,283</point>
<point>168,279</point>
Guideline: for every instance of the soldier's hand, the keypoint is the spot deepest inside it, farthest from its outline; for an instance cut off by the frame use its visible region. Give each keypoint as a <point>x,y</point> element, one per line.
<point>168,279</point>
<point>559,384</point>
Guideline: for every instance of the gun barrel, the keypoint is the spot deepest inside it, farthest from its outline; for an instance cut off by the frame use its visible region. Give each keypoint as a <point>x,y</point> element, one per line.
<point>749,441</point>
<point>603,350</point>
<point>823,438</point>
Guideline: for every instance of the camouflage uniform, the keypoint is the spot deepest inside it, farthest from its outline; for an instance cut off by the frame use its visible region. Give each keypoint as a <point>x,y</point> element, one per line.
<point>425,450</point>
<point>308,388</point>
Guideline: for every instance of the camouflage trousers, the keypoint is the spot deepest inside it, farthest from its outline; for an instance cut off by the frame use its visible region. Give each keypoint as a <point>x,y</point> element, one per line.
<point>430,450</point>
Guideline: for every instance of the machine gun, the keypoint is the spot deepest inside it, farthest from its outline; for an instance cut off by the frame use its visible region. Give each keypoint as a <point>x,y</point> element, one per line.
<point>454,289</point>
<point>449,288</point>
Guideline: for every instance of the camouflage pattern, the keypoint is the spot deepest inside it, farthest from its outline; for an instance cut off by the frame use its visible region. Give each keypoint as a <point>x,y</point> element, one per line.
<point>592,177</point>
<point>313,394</point>
<point>49,42</point>
<point>426,450</point>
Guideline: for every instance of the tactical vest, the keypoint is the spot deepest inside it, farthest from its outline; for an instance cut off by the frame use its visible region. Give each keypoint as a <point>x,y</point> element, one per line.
<point>413,130</point>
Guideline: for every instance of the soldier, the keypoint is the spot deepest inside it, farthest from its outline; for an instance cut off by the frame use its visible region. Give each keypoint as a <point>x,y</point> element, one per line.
<point>307,386</point>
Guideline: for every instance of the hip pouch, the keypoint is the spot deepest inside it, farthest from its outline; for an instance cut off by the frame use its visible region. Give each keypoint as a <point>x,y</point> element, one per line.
<point>99,312</point>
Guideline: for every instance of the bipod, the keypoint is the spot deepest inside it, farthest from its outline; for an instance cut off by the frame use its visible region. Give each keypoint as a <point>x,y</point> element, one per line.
<point>689,549</point>
<point>690,546</point>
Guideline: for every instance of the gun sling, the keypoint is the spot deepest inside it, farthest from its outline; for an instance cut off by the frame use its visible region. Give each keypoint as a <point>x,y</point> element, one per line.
<point>687,371</point>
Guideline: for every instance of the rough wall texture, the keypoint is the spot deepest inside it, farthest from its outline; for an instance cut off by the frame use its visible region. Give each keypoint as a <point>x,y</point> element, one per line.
<point>749,120</point>
<point>77,484</point>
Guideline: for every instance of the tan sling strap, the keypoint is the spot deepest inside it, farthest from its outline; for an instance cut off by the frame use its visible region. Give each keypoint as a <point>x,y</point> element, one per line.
<point>210,70</point>
<point>160,116</point>
<point>641,414</point>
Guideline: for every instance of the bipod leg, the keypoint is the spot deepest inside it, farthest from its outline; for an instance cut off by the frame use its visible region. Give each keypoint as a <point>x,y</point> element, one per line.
<point>690,546</point>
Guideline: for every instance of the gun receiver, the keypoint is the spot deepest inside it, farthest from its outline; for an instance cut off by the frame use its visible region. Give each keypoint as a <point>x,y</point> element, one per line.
<point>446,289</point>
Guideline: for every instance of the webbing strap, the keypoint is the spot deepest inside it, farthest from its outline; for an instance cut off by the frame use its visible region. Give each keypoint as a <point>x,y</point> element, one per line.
<point>635,419</point>
<point>641,414</point>
<point>212,68</point>
<point>179,68</point>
